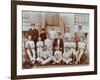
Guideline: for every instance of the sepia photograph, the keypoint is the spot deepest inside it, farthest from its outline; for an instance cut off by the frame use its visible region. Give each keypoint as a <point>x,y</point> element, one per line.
<point>54,38</point>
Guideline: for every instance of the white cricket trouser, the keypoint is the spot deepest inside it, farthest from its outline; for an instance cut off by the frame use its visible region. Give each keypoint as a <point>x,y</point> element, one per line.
<point>55,59</point>
<point>80,55</point>
<point>73,51</point>
<point>67,60</point>
<point>42,61</point>
<point>32,58</point>
<point>50,49</point>
<point>39,50</point>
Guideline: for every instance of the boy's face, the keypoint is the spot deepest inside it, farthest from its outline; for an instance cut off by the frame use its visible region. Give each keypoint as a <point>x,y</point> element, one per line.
<point>72,39</point>
<point>81,39</point>
<point>52,29</point>
<point>44,48</point>
<point>39,39</point>
<point>67,40</point>
<point>33,26</point>
<point>48,36</point>
<point>66,49</point>
<point>58,35</point>
<point>80,27</point>
<point>29,37</point>
<point>67,29</point>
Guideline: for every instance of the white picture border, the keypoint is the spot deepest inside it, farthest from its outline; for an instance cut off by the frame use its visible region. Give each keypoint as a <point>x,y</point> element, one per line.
<point>47,70</point>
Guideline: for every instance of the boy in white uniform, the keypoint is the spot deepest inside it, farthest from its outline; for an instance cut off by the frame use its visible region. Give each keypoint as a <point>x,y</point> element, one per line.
<point>68,34</point>
<point>73,49</point>
<point>67,53</point>
<point>48,43</point>
<point>39,46</point>
<point>57,56</point>
<point>81,46</point>
<point>80,33</point>
<point>30,49</point>
<point>72,45</point>
<point>52,33</point>
<point>75,53</point>
<point>45,57</point>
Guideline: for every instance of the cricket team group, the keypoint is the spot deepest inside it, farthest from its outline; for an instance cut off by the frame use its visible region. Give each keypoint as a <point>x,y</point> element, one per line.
<point>45,47</point>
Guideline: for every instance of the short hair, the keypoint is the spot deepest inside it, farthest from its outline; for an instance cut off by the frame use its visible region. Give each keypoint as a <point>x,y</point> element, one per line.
<point>80,26</point>
<point>32,24</point>
<point>59,32</point>
<point>43,29</point>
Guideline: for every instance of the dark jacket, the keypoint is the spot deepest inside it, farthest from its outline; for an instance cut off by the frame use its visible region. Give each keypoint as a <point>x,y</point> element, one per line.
<point>34,34</point>
<point>61,44</point>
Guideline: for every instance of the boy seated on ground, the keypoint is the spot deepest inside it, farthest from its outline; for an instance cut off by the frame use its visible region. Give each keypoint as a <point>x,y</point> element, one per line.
<point>30,49</point>
<point>81,46</point>
<point>57,56</point>
<point>45,56</point>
